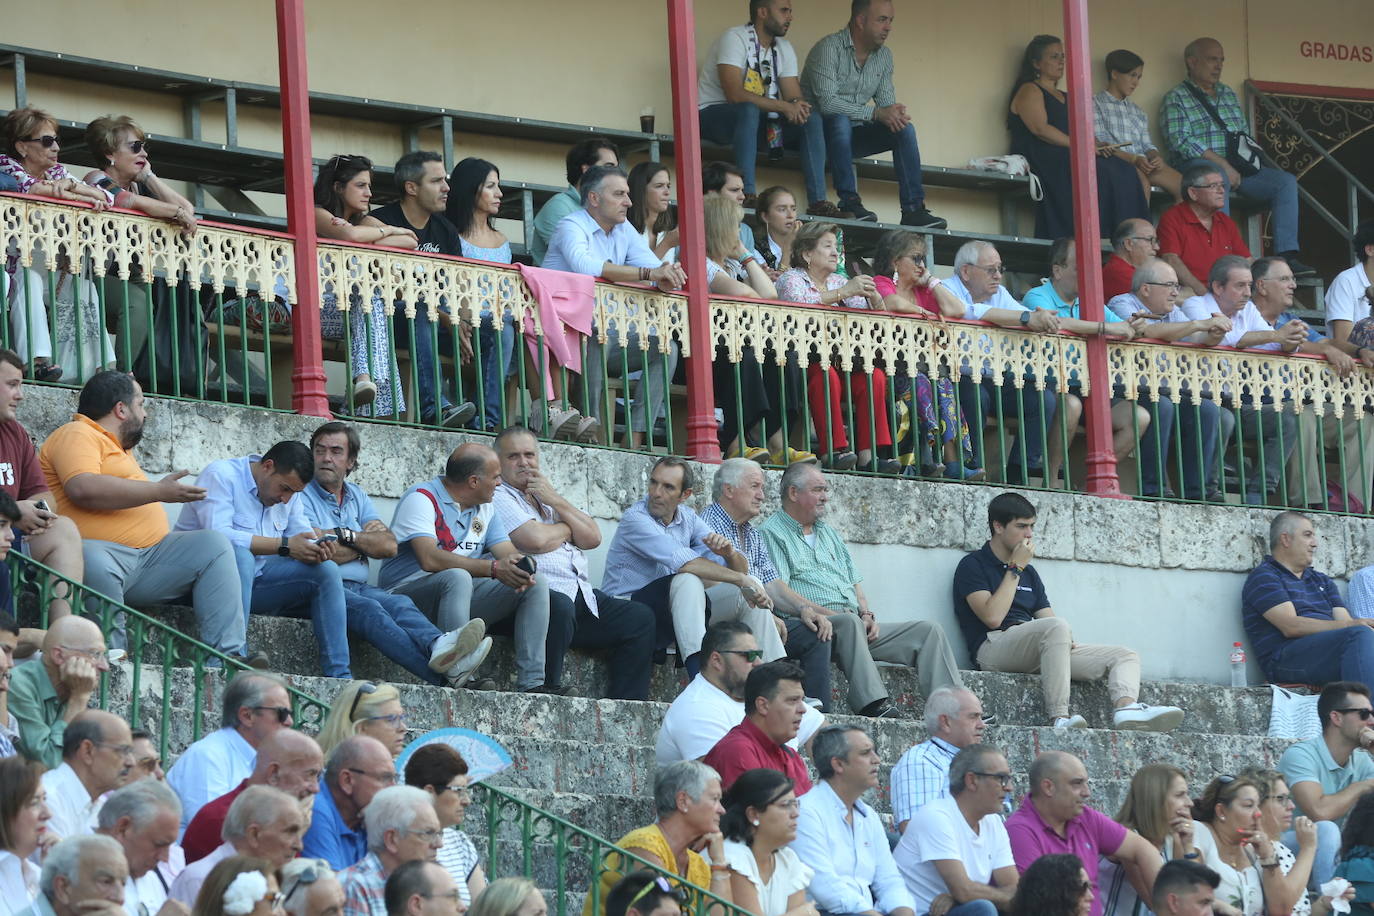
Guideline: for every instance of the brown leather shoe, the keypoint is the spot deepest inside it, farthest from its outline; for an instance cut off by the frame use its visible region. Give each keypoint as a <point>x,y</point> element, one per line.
<point>826,209</point>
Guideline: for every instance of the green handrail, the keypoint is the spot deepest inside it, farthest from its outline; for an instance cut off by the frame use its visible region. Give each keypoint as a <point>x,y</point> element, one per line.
<point>572,848</point>
<point>149,642</point>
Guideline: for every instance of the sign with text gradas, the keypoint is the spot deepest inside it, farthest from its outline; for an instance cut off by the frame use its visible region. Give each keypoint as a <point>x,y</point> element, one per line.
<point>1320,42</point>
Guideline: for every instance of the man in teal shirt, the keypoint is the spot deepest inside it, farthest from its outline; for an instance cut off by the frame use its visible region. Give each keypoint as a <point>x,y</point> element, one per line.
<point>1059,291</point>
<point>46,695</point>
<point>587,153</point>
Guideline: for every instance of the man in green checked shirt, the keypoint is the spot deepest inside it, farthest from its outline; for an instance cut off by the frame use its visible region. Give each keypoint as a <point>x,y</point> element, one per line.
<point>813,559</point>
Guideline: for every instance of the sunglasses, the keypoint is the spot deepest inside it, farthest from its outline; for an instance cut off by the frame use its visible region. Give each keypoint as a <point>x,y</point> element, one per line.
<point>308,875</point>
<point>363,689</point>
<point>283,712</point>
<point>752,655</point>
<point>1364,712</point>
<point>137,146</point>
<point>47,140</point>
<point>662,884</point>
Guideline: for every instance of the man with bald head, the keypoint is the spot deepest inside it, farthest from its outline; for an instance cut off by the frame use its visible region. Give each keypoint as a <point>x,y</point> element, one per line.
<point>45,697</point>
<point>1198,115</point>
<point>359,768</point>
<point>455,560</point>
<point>97,754</point>
<point>1055,818</point>
<point>1133,243</point>
<point>263,822</point>
<point>287,760</point>
<point>422,888</point>
<point>143,818</point>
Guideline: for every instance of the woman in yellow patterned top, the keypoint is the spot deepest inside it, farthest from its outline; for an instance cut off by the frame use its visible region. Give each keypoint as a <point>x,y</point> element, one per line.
<point>687,796</point>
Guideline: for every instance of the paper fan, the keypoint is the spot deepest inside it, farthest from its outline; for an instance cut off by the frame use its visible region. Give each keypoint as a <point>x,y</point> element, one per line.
<point>484,756</point>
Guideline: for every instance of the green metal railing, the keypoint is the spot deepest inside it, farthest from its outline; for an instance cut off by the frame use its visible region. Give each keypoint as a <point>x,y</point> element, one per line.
<point>563,858</point>
<point>153,648</point>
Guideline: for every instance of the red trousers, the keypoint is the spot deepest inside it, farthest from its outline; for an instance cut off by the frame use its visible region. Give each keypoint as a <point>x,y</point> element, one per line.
<point>828,416</point>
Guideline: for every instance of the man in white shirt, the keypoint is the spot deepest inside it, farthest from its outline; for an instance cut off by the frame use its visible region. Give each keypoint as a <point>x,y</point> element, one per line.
<point>842,838</point>
<point>263,822</point>
<point>956,857</point>
<point>749,89</point>
<point>97,754</point>
<point>713,703</point>
<point>1348,297</point>
<point>143,818</point>
<point>954,720</point>
<point>255,705</point>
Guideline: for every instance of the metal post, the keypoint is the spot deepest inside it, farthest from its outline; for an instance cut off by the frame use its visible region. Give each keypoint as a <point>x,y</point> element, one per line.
<point>1102,477</point>
<point>702,443</point>
<point>307,348</point>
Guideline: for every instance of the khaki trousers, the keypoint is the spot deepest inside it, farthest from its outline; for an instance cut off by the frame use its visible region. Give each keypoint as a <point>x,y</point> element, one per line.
<point>1358,429</point>
<point>918,644</point>
<point>1045,645</point>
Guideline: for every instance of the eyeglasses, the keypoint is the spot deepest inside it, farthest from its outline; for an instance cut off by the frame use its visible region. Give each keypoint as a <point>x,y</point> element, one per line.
<point>751,655</point>
<point>137,146</point>
<point>995,270</point>
<point>283,712</point>
<point>449,895</point>
<point>918,259</point>
<point>793,805</point>
<point>386,777</point>
<point>47,140</point>
<point>95,655</point>
<point>661,883</point>
<point>460,791</point>
<point>395,719</point>
<point>363,689</point>
<point>124,750</point>
<point>308,875</point>
<point>1152,239</point>
<point>1174,287</point>
<point>1364,712</point>
<point>1212,186</point>
<point>1005,779</point>
<point>429,835</point>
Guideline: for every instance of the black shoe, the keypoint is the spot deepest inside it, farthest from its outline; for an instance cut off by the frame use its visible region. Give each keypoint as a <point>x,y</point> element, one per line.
<point>862,213</point>
<point>880,709</point>
<point>1298,267</point>
<point>923,219</point>
<point>889,466</point>
<point>555,691</point>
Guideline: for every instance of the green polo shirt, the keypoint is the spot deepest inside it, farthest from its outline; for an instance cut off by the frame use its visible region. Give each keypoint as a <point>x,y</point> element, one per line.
<point>1311,761</point>
<point>35,705</point>
<point>821,572</point>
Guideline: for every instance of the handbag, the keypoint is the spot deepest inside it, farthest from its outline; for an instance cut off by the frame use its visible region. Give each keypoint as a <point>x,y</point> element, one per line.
<point>1010,164</point>
<point>1242,150</point>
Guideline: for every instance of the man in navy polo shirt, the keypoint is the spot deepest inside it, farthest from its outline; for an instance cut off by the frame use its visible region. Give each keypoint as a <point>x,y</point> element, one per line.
<point>390,622</point>
<point>1299,628</point>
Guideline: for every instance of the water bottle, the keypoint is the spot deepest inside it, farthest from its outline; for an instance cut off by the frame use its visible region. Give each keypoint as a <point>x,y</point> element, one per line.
<point>1237,665</point>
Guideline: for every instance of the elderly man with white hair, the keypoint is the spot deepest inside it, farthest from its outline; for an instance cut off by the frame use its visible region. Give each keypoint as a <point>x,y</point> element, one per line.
<point>82,876</point>
<point>143,818</point>
<point>309,887</point>
<point>954,720</point>
<point>263,822</point>
<point>402,827</point>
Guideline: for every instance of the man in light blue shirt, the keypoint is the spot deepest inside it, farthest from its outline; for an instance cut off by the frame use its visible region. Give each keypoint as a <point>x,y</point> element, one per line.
<point>585,154</point>
<point>390,622</point>
<point>599,241</point>
<point>841,837</point>
<point>284,566</point>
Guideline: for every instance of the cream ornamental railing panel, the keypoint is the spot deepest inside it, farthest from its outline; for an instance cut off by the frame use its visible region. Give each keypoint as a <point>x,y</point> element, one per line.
<point>861,339</point>
<point>124,244</point>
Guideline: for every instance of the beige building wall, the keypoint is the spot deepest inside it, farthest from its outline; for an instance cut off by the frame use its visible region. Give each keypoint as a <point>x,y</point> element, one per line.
<point>602,64</point>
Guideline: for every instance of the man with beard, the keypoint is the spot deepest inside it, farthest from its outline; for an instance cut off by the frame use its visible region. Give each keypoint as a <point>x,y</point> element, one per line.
<point>129,552</point>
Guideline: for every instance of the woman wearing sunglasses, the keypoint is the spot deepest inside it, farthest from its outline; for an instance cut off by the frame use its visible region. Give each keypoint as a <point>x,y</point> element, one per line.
<point>1054,885</point>
<point>309,887</point>
<point>443,773</point>
<point>760,822</point>
<point>128,174</point>
<point>30,158</point>
<point>363,708</point>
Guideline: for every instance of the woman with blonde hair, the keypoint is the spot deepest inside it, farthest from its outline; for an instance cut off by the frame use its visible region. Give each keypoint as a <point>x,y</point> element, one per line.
<point>1157,807</point>
<point>239,886</point>
<point>364,708</point>
<point>510,897</point>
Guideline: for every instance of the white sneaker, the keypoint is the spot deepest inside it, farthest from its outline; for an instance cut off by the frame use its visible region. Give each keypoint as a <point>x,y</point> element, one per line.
<point>1063,723</point>
<point>1139,717</point>
<point>453,645</point>
<point>462,669</point>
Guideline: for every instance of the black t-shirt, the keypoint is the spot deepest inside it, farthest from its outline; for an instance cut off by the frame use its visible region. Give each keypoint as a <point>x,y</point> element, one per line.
<point>439,235</point>
<point>981,571</point>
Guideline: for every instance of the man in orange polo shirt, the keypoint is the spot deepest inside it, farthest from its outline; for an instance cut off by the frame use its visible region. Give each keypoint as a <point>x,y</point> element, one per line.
<point>130,554</point>
<point>1197,231</point>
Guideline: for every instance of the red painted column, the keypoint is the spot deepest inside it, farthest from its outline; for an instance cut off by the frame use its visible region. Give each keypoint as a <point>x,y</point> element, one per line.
<point>307,350</point>
<point>1102,477</point>
<point>702,443</point>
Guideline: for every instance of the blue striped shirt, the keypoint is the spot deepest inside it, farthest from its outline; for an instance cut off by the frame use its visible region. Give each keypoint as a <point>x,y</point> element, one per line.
<point>644,549</point>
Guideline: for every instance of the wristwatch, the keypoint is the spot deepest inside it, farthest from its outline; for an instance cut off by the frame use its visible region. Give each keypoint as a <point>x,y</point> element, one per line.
<point>284,548</point>
<point>346,536</point>
<point>1025,319</point>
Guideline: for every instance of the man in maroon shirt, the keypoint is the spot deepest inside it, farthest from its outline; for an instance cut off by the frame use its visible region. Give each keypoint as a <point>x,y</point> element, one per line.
<point>1133,243</point>
<point>49,538</point>
<point>1195,232</point>
<point>774,703</point>
<point>287,760</point>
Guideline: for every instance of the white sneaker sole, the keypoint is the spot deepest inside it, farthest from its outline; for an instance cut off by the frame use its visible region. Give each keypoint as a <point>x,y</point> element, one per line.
<point>1163,721</point>
<point>458,675</point>
<point>469,638</point>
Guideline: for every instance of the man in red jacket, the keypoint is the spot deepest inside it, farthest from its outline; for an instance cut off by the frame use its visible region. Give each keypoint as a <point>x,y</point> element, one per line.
<point>774,704</point>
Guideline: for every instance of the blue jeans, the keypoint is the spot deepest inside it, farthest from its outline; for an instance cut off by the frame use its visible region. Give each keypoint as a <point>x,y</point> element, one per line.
<point>1335,655</point>
<point>847,140</point>
<point>740,125</point>
<point>497,353</point>
<point>290,588</point>
<point>973,908</point>
<point>975,400</point>
<point>1275,187</point>
<point>394,625</point>
<point>423,357</point>
<point>1196,427</point>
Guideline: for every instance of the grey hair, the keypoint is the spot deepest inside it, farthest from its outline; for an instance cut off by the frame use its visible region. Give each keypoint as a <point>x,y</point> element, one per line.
<point>1284,523</point>
<point>731,474</point>
<point>65,858</point>
<point>1149,272</point>
<point>290,874</point>
<point>793,477</point>
<point>970,252</point>
<point>247,688</point>
<point>1223,267</point>
<point>944,701</point>
<point>595,177</point>
<point>393,808</point>
<point>967,761</point>
<point>829,743</point>
<point>259,805</point>
<point>140,802</point>
<point>689,776</point>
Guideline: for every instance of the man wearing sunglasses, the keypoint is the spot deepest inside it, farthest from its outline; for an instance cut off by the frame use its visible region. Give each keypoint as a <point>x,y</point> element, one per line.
<point>97,754</point>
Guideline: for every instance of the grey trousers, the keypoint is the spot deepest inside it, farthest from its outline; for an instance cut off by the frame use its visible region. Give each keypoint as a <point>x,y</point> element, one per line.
<point>198,563</point>
<point>653,367</point>
<point>452,597</point>
<point>919,644</point>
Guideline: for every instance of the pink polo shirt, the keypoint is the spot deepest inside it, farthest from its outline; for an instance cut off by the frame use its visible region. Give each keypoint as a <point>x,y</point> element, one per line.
<point>1088,836</point>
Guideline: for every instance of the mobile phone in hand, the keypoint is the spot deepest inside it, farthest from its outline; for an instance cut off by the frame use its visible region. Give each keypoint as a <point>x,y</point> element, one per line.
<point>527,564</point>
<point>41,504</point>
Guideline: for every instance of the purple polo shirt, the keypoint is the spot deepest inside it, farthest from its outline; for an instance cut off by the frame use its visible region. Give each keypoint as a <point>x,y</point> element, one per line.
<point>1088,836</point>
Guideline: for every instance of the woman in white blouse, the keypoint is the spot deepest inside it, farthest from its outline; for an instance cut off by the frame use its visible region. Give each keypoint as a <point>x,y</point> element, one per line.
<point>23,822</point>
<point>766,877</point>
<point>1232,843</point>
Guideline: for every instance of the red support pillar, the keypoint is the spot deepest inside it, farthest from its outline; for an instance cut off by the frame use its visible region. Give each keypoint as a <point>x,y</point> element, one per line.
<point>702,443</point>
<point>308,380</point>
<point>1102,476</point>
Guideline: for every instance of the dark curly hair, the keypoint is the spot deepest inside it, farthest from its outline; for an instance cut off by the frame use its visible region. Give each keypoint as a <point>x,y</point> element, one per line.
<point>1359,825</point>
<point>1050,887</point>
